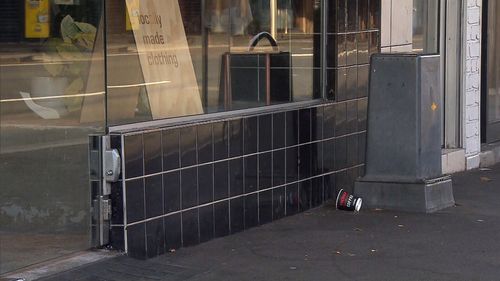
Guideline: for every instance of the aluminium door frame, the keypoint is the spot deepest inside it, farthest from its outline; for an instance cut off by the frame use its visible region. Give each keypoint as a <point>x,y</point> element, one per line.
<point>452,46</point>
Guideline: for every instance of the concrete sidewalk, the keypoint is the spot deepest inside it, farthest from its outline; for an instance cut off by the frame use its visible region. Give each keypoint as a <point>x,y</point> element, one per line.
<point>459,243</point>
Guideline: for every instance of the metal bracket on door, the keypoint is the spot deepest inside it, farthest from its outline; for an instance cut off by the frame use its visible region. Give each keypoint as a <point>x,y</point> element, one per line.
<point>105,169</point>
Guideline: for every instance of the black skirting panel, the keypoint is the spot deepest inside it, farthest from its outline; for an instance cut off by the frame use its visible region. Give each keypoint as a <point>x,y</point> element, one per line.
<point>187,185</point>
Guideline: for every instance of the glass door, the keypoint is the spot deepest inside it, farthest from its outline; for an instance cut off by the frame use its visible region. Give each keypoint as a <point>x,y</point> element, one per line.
<point>51,100</point>
<point>490,100</point>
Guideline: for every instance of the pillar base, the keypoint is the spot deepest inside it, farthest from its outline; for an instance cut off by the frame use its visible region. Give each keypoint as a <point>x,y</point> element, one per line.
<point>425,197</point>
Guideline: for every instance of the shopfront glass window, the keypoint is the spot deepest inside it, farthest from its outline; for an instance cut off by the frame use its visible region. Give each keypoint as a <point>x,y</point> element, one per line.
<point>181,58</point>
<point>426,26</point>
<point>52,92</point>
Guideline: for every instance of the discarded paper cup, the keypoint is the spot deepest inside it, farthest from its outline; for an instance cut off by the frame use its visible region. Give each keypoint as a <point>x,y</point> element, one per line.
<point>348,202</point>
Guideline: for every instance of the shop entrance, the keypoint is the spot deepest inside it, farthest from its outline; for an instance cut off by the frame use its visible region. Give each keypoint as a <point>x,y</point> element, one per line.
<point>490,86</point>
<point>45,74</point>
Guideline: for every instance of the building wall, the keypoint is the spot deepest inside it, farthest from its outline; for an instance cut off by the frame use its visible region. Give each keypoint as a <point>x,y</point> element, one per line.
<point>472,76</point>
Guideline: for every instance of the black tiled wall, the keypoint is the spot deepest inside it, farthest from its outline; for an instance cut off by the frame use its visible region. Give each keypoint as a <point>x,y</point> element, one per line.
<point>187,185</point>
<point>295,168</point>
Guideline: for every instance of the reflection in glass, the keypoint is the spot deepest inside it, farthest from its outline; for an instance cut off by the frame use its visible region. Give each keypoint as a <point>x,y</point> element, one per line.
<point>51,99</point>
<point>492,91</point>
<point>218,34</point>
<point>425,26</point>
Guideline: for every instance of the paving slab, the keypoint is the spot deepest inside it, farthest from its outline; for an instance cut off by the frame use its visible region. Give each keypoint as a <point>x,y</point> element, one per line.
<point>458,243</point>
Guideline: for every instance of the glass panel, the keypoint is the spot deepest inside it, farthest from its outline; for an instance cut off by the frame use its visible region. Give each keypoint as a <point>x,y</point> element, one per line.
<point>150,79</point>
<point>426,26</point>
<point>493,74</point>
<point>51,99</point>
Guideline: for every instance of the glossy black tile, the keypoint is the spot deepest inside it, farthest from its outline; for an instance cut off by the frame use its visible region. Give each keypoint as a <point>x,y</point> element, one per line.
<point>172,191</point>
<point>317,123</point>
<point>352,116</point>
<point>329,187</point>
<point>352,150</point>
<point>363,72</point>
<point>236,138</point>
<point>351,49</point>
<point>116,197</point>
<point>155,237</point>
<point>352,15</point>
<point>251,133</point>
<point>342,181</point>
<point>329,156</point>
<point>188,146</point>
<point>190,228</point>
<point>152,153</point>
<point>251,175</point>
<point>117,238</point>
<point>221,219</point>
<point>362,114</point>
<point>205,184</point>
<point>189,187</point>
<point>279,166</point>
<point>279,201</point>
<point>154,196</point>
<point>171,154</point>
<point>317,192</point>
<point>279,130</point>
<point>134,156</point>
<point>265,132</point>
<point>236,177</point>
<point>305,193</point>
<point>329,121</point>
<point>136,241</point>
<point>341,84</point>
<point>292,199</point>
<point>292,127</point>
<point>317,159</point>
<point>340,119</point>
<point>265,170</point>
<point>237,214</point>
<point>251,211</point>
<point>292,164</point>
<point>304,125</point>
<point>135,200</point>
<point>351,83</point>
<point>205,143</point>
<point>363,47</point>
<point>305,161</point>
<point>266,207</point>
<point>221,140</point>
<point>341,153</point>
<point>206,223</point>
<point>173,232</point>
<point>221,180</point>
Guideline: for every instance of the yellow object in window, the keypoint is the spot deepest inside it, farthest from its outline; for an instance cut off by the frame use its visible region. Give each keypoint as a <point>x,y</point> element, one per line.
<point>37,19</point>
<point>132,22</point>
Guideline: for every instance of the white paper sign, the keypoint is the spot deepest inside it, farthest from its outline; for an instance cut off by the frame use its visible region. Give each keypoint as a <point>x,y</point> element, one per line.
<point>165,58</point>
